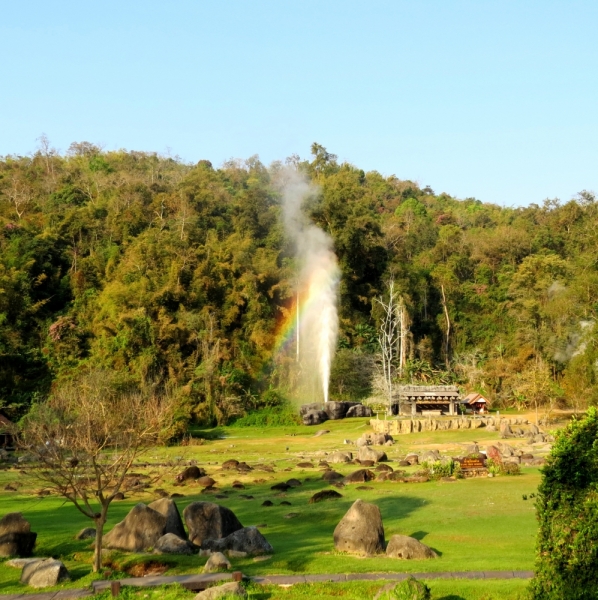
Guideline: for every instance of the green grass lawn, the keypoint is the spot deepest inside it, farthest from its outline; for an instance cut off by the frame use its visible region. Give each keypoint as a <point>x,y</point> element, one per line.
<point>473,524</point>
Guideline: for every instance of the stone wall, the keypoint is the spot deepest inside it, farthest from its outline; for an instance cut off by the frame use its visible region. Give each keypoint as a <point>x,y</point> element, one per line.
<point>401,426</point>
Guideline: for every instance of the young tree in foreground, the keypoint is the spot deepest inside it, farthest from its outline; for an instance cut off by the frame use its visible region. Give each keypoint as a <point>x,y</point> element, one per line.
<point>567,512</point>
<point>86,437</point>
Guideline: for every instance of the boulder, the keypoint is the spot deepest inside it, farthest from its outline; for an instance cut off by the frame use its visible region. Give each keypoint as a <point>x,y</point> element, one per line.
<point>430,456</point>
<point>534,429</point>
<point>367,453</point>
<point>493,453</point>
<point>324,495</point>
<point>16,537</point>
<point>305,408</point>
<point>339,457</point>
<point>217,562</point>
<point>206,481</point>
<point>192,472</point>
<point>88,533</point>
<point>472,449</point>
<point>336,410</point>
<point>360,531</point>
<point>293,483</point>
<point>169,509</point>
<point>358,410</point>
<point>247,539</point>
<point>384,468</point>
<point>227,590</point>
<point>280,487</point>
<point>44,573</point>
<point>360,476</point>
<point>411,459</point>
<point>19,563</point>
<point>209,521</point>
<point>364,440</point>
<point>230,465</point>
<point>139,531</point>
<point>314,417</point>
<point>405,547</point>
<point>170,543</point>
<point>505,430</point>
<point>331,475</point>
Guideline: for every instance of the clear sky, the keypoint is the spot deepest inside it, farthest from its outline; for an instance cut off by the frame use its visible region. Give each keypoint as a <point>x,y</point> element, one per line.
<point>491,99</point>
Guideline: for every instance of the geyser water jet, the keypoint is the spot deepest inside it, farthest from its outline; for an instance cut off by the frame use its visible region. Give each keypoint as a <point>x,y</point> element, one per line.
<point>317,293</point>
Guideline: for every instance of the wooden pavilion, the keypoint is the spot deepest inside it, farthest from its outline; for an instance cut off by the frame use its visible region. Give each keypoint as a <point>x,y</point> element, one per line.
<point>425,400</point>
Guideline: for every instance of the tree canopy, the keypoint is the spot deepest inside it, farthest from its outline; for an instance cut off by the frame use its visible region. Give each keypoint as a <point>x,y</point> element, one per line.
<point>179,275</point>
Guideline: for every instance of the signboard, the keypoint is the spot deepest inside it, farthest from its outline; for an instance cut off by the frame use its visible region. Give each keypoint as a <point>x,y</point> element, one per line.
<point>469,464</point>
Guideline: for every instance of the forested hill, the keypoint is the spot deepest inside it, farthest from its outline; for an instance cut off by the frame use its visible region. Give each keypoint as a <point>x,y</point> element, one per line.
<point>179,275</point>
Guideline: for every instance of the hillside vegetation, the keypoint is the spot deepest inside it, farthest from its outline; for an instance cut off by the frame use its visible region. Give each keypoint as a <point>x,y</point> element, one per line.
<point>179,275</point>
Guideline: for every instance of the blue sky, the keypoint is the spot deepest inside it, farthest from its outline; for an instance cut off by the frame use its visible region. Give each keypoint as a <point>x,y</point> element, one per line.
<point>491,99</point>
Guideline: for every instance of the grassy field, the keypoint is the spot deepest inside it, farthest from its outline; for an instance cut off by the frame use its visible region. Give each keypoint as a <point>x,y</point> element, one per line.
<point>473,524</point>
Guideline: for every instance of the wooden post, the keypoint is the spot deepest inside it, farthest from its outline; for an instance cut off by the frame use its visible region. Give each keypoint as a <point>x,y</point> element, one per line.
<point>237,576</point>
<point>115,588</point>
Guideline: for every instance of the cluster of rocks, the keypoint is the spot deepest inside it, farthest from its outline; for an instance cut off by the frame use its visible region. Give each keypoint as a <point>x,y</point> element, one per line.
<point>533,433</point>
<point>317,413</point>
<point>506,454</point>
<point>361,532</point>
<point>210,526</point>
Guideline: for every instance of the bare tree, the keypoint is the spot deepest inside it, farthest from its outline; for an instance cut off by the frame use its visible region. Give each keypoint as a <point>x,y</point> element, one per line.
<point>86,437</point>
<point>393,337</point>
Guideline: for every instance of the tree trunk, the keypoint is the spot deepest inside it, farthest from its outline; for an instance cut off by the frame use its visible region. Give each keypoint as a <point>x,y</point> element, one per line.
<point>100,521</point>
<point>448,330</point>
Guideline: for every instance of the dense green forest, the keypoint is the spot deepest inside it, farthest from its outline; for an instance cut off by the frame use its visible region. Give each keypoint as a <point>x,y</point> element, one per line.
<point>177,276</point>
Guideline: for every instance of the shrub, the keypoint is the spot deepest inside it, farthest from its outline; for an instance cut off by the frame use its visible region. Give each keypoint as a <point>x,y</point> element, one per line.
<point>567,508</point>
<point>409,589</point>
<point>275,416</point>
<point>500,468</point>
<point>439,469</point>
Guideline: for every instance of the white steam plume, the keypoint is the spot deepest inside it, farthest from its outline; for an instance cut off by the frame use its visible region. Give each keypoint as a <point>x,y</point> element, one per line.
<point>318,282</point>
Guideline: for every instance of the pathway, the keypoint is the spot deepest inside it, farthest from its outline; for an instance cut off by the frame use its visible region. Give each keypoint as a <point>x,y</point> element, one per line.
<point>267,580</point>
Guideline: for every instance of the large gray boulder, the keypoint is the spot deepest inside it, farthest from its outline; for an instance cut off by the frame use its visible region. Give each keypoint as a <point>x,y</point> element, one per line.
<point>314,417</point>
<point>403,546</point>
<point>247,539</point>
<point>360,531</point>
<point>170,543</point>
<point>368,453</point>
<point>336,410</point>
<point>44,573</point>
<point>227,590</point>
<point>359,410</point>
<point>168,508</point>
<point>305,408</point>
<point>209,521</point>
<point>139,531</point>
<point>16,537</point>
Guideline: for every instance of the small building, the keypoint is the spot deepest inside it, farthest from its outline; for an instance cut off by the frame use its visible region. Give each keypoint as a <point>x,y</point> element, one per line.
<point>475,402</point>
<point>6,437</point>
<point>425,400</point>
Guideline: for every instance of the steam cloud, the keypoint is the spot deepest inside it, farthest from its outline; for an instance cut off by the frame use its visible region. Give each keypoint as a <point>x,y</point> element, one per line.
<point>317,286</point>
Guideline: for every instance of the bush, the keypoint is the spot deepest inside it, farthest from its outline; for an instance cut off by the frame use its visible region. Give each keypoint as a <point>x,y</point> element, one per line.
<point>275,416</point>
<point>500,468</point>
<point>567,509</point>
<point>409,589</point>
<point>439,469</point>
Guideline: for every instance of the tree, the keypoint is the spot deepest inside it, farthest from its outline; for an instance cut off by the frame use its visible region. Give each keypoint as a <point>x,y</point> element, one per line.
<point>86,437</point>
<point>392,337</point>
<point>567,505</point>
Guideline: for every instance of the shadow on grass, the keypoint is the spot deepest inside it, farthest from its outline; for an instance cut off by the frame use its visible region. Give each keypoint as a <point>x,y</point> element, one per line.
<point>451,597</point>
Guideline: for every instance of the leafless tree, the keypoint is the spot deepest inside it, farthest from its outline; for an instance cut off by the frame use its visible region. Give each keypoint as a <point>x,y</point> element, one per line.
<point>85,439</point>
<point>393,337</point>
